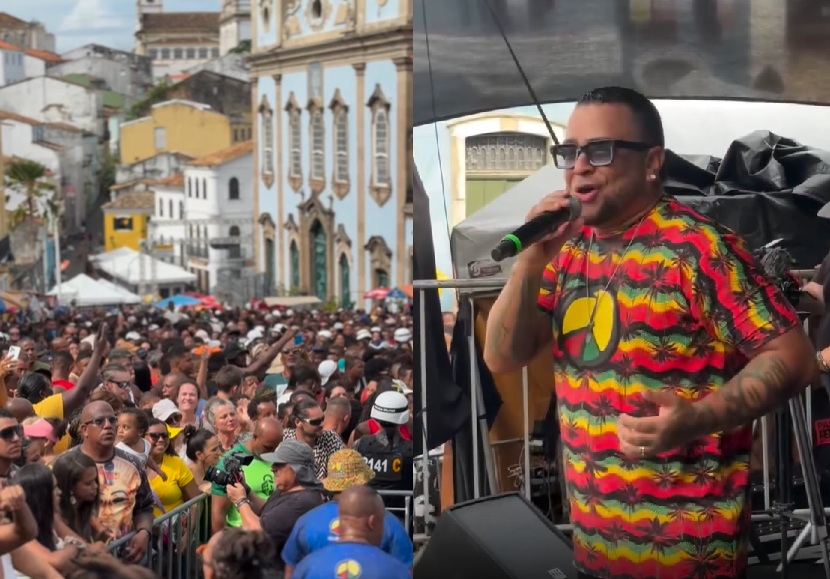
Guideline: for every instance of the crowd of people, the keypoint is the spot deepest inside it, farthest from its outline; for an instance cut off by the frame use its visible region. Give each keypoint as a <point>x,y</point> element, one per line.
<point>289,433</point>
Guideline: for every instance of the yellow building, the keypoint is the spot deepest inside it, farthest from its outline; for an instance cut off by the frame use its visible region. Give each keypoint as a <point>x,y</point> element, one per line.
<point>126,219</point>
<point>175,126</point>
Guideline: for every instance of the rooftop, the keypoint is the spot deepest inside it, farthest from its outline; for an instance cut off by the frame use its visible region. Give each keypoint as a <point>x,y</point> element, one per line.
<point>180,22</point>
<point>174,180</point>
<point>9,46</point>
<point>224,156</point>
<point>111,99</point>
<point>143,200</point>
<point>131,183</point>
<point>8,115</point>
<point>9,21</point>
<point>44,55</point>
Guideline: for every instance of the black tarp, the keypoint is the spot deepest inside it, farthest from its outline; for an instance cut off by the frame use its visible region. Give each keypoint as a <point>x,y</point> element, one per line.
<point>446,409</point>
<point>773,50</point>
<point>766,187</point>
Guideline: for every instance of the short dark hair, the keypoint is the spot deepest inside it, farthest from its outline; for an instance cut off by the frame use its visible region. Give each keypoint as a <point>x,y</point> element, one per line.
<point>642,109</point>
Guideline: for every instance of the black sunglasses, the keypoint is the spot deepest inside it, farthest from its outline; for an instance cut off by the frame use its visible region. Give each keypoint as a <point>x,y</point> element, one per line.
<point>158,435</point>
<point>99,422</point>
<point>313,421</point>
<point>10,433</point>
<point>599,153</point>
<point>123,385</point>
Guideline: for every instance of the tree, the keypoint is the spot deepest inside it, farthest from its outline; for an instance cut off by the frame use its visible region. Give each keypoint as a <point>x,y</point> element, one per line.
<point>32,178</point>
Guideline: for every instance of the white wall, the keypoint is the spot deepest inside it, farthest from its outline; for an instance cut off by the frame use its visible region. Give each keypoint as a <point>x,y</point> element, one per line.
<point>168,228</point>
<point>33,66</point>
<point>51,100</point>
<point>12,67</point>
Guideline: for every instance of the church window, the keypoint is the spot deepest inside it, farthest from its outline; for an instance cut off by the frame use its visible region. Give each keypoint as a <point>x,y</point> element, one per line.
<point>214,53</point>
<point>266,135</point>
<point>191,53</point>
<point>381,183</point>
<point>340,138</point>
<point>318,145</point>
<point>177,53</point>
<point>295,143</point>
<point>154,53</point>
<point>203,52</point>
<point>165,54</point>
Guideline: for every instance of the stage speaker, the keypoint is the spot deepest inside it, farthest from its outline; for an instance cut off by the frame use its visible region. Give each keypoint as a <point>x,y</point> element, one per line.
<point>497,537</point>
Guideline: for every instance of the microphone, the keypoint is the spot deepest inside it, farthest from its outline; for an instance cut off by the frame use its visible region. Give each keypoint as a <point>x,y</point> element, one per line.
<point>513,243</point>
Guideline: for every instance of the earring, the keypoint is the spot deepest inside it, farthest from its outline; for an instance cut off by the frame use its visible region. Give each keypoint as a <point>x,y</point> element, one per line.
<point>652,177</point>
<point>72,500</point>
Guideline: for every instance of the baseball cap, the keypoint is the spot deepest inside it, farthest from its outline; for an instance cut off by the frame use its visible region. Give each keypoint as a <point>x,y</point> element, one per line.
<point>290,451</point>
<point>391,407</point>
<point>403,335</point>
<point>326,369</point>
<point>40,429</point>
<point>164,409</point>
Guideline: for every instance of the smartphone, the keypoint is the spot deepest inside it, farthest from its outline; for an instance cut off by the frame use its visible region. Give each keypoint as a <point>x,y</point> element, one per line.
<point>14,352</point>
<point>298,339</point>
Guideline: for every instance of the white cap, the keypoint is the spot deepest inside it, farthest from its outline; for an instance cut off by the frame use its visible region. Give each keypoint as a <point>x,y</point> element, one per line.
<point>254,334</point>
<point>284,399</point>
<point>326,369</point>
<point>403,335</point>
<point>391,407</point>
<point>375,329</point>
<point>164,409</point>
<point>132,336</point>
<point>363,335</point>
<point>324,334</point>
<point>337,326</point>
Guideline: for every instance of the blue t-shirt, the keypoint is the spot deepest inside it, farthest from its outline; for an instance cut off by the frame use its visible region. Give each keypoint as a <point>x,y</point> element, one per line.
<point>351,561</point>
<point>318,528</point>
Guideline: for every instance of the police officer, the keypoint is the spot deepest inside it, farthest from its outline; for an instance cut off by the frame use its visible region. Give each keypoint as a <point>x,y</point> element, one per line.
<point>387,452</point>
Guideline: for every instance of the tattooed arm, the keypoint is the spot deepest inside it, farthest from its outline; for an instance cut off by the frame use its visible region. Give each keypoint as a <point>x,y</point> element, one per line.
<point>779,371</point>
<point>517,330</point>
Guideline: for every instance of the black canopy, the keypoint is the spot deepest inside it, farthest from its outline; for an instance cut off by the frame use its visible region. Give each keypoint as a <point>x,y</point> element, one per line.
<point>773,50</point>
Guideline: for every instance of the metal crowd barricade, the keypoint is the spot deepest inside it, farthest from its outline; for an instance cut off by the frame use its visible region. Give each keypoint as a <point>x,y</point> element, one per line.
<point>406,509</point>
<point>175,537</point>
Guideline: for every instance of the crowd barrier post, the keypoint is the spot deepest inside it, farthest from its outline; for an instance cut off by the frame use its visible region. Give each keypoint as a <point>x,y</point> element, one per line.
<point>406,509</point>
<point>175,538</point>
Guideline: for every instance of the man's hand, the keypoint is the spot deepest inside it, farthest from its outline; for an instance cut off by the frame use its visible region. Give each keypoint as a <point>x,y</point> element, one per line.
<point>651,435</point>
<point>101,345</point>
<point>137,547</point>
<point>236,492</point>
<point>12,498</point>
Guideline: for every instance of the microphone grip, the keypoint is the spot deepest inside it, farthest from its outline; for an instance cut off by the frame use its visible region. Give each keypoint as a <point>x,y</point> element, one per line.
<point>508,247</point>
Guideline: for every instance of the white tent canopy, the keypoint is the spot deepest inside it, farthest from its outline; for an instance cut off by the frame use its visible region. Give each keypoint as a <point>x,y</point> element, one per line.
<point>128,295</point>
<point>85,292</point>
<point>125,265</point>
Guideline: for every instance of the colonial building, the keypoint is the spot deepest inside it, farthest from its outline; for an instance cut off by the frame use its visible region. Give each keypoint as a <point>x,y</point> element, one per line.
<point>175,41</point>
<point>26,34</point>
<point>234,24</point>
<point>332,94</point>
<point>175,126</point>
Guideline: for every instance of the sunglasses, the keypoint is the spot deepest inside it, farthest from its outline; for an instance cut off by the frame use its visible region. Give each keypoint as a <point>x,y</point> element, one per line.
<point>123,385</point>
<point>158,435</point>
<point>599,153</point>
<point>313,421</point>
<point>99,422</point>
<point>10,433</point>
<point>174,419</point>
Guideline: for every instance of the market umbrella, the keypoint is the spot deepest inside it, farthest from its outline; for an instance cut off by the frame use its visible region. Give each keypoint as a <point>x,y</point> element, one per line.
<point>179,301</point>
<point>378,293</point>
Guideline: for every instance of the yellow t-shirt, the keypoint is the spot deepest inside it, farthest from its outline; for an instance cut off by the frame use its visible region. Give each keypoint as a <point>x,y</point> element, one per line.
<point>169,492</point>
<point>52,407</point>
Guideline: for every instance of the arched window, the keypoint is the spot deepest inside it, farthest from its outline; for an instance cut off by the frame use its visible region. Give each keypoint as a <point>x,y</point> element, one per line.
<point>181,209</point>
<point>318,144</point>
<point>170,207</point>
<point>204,188</point>
<point>341,147</point>
<point>380,144</point>
<point>161,207</point>
<point>235,251</point>
<point>233,189</point>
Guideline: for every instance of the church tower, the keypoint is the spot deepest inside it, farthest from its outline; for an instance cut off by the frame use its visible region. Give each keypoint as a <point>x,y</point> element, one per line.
<point>144,7</point>
<point>234,24</point>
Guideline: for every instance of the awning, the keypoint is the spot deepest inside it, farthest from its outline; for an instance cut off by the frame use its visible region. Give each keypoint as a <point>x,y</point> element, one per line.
<point>291,301</point>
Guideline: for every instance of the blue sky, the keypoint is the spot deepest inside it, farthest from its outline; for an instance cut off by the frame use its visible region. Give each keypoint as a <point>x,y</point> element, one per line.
<point>79,22</point>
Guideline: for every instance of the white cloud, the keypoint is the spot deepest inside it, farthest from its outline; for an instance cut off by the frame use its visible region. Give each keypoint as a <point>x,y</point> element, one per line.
<point>92,16</point>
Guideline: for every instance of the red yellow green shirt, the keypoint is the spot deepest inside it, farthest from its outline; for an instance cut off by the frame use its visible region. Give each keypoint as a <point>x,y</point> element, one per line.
<point>674,302</point>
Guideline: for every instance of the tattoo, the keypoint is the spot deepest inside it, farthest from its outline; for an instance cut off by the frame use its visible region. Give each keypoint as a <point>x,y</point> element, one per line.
<point>514,326</point>
<point>761,387</point>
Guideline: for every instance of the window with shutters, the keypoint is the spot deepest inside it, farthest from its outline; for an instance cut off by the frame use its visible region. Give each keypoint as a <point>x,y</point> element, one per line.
<point>295,143</point>
<point>340,138</point>
<point>266,141</point>
<point>505,153</point>
<point>381,182</point>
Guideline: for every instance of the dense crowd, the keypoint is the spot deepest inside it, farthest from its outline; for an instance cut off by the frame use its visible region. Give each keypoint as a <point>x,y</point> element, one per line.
<point>288,433</point>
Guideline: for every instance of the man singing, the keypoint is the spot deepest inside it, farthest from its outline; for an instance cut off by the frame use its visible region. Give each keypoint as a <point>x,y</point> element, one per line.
<point>668,341</point>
